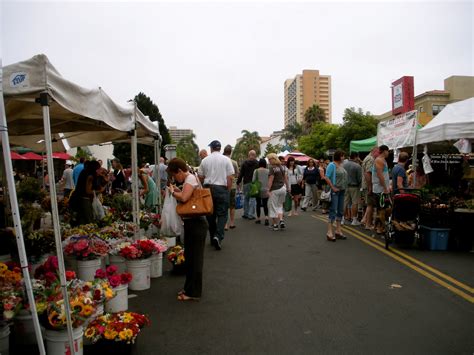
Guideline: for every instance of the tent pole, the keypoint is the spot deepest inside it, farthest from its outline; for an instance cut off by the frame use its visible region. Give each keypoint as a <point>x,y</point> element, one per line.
<point>16,217</point>
<point>55,216</point>
<point>158,177</point>
<point>133,144</point>
<point>415,151</point>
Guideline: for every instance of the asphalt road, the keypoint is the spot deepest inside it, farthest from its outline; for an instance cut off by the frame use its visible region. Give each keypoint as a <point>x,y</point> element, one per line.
<point>293,292</point>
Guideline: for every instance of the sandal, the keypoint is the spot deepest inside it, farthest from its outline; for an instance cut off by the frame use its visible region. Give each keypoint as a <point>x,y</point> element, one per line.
<point>340,236</point>
<point>330,239</point>
<point>232,227</point>
<point>181,292</point>
<point>183,297</point>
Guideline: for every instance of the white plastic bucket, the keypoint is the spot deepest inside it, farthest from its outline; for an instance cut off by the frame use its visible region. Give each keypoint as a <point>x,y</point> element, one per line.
<point>120,302</point>
<point>118,261</point>
<point>86,269</point>
<point>24,328</point>
<point>57,342</point>
<point>140,270</point>
<point>4,340</point>
<point>5,258</point>
<point>171,241</point>
<point>156,266</point>
<point>71,263</point>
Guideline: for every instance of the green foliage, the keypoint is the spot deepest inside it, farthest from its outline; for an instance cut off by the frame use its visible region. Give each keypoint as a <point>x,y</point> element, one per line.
<point>291,134</point>
<point>29,190</point>
<point>312,115</point>
<point>356,125</point>
<point>121,203</point>
<point>188,150</point>
<point>323,136</point>
<point>249,141</point>
<point>270,148</point>
<point>83,153</point>
<point>145,153</point>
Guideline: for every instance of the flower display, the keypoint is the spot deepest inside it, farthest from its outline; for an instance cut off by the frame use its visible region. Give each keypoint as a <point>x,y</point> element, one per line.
<point>149,218</point>
<point>115,245</point>
<point>39,243</point>
<point>99,290</point>
<point>122,327</point>
<point>113,277</point>
<point>140,249</point>
<point>176,255</point>
<point>85,247</point>
<point>10,291</point>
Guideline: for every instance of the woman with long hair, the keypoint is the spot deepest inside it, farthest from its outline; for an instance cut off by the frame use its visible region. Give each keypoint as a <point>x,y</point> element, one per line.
<point>277,187</point>
<point>147,188</point>
<point>336,178</point>
<point>261,174</point>
<point>294,179</point>
<point>195,230</point>
<point>311,178</point>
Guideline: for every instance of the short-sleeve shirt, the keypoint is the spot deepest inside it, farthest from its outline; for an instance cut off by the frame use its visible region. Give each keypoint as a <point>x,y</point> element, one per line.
<point>191,180</point>
<point>68,180</point>
<point>367,165</point>
<point>278,174</point>
<point>216,168</point>
<point>396,172</point>
<point>236,172</point>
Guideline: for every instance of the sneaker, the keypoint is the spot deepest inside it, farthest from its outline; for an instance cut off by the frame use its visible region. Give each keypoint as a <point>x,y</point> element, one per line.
<point>342,221</point>
<point>217,243</point>
<point>355,222</point>
<point>266,222</point>
<point>275,227</point>
<point>282,224</point>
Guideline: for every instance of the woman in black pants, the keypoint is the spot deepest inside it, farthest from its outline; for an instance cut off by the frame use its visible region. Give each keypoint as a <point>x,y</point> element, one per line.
<point>261,174</point>
<point>195,231</point>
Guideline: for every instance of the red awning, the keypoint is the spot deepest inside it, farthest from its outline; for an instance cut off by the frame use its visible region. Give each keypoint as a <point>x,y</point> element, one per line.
<point>16,156</point>
<point>303,158</point>
<point>32,156</point>
<point>63,156</point>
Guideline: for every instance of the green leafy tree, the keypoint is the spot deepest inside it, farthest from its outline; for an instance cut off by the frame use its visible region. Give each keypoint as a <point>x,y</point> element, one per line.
<point>356,125</point>
<point>312,115</point>
<point>249,141</point>
<point>270,148</point>
<point>145,153</point>
<point>291,134</point>
<point>323,136</point>
<point>188,150</point>
<point>83,153</point>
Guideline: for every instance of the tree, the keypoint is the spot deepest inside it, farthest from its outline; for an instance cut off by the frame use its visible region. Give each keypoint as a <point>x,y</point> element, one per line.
<point>312,115</point>
<point>145,153</point>
<point>323,136</point>
<point>356,125</point>
<point>188,150</point>
<point>270,148</point>
<point>291,134</point>
<point>249,141</point>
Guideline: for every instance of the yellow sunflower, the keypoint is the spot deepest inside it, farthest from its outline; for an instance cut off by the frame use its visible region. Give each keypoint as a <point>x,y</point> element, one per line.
<point>90,332</point>
<point>56,319</point>
<point>126,334</point>
<point>77,306</point>
<point>127,318</point>
<point>3,267</point>
<point>87,311</point>
<point>110,334</point>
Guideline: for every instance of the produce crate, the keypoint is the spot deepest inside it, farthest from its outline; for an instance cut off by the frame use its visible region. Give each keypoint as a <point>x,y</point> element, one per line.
<point>435,238</point>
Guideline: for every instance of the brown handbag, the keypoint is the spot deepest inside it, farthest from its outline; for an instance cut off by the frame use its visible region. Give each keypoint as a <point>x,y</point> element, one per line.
<point>200,204</point>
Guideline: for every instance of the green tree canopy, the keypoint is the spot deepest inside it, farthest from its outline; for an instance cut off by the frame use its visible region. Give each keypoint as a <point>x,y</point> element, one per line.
<point>249,141</point>
<point>188,150</point>
<point>291,133</point>
<point>145,153</point>
<point>270,148</point>
<point>312,115</point>
<point>356,125</point>
<point>323,136</point>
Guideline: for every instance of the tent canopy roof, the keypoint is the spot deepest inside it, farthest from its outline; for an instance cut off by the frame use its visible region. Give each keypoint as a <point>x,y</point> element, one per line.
<point>364,145</point>
<point>455,121</point>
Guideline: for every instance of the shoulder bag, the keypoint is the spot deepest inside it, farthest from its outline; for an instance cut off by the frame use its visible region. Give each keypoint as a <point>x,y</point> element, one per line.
<point>255,187</point>
<point>200,203</point>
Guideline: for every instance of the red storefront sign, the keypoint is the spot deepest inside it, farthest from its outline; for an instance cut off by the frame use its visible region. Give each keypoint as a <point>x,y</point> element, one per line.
<point>403,95</point>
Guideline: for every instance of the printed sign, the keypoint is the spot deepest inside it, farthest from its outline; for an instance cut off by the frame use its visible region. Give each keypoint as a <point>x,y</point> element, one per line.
<point>19,80</point>
<point>403,95</point>
<point>399,132</point>
<point>398,96</point>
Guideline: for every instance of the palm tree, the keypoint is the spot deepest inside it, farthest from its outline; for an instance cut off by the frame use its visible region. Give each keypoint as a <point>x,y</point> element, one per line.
<point>313,114</point>
<point>251,141</point>
<point>291,134</point>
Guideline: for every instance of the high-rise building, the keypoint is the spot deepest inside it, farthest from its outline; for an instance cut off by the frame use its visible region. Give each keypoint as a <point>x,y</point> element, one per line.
<point>176,133</point>
<point>304,91</point>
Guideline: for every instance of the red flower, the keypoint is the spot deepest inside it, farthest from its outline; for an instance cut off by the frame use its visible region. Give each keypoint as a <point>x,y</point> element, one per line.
<point>50,277</point>
<point>115,280</point>
<point>100,274</point>
<point>126,277</point>
<point>111,270</point>
<point>97,295</point>
<point>70,275</point>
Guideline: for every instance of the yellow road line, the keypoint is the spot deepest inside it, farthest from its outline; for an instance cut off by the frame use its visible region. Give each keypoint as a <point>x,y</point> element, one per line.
<point>411,266</point>
<point>416,261</point>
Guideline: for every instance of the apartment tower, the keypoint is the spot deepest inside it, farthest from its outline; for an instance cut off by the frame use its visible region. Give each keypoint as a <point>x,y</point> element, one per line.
<point>304,91</point>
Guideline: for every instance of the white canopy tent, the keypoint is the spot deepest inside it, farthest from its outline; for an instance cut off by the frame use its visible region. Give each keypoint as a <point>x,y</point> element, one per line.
<point>39,102</point>
<point>455,121</point>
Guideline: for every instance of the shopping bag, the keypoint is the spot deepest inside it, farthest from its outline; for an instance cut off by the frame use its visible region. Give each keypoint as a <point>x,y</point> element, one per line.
<point>97,209</point>
<point>288,202</point>
<point>170,221</point>
<point>239,196</point>
<point>200,204</point>
<point>255,188</point>
<point>326,195</point>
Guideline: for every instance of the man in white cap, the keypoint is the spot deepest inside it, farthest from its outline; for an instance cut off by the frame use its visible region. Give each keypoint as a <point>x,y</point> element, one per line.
<point>216,171</point>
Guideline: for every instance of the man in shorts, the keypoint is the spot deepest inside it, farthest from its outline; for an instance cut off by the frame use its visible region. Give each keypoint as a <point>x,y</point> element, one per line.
<point>228,153</point>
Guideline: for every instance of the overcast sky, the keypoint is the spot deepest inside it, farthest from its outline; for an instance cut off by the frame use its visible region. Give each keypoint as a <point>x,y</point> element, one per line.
<point>219,68</point>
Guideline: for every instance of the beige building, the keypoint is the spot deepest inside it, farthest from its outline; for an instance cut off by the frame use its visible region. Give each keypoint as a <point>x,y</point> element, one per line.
<point>304,91</point>
<point>430,103</point>
<point>176,133</point>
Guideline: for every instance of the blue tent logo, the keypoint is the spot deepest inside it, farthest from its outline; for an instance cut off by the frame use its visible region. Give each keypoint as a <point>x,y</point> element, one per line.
<point>19,79</point>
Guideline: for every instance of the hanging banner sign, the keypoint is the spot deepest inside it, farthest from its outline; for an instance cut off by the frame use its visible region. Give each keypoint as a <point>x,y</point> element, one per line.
<point>399,132</point>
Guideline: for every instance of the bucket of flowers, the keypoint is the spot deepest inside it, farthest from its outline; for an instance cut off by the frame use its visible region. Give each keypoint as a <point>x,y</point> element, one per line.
<point>137,256</point>
<point>156,267</point>
<point>88,249</point>
<point>176,257</point>
<point>115,333</point>
<point>119,281</point>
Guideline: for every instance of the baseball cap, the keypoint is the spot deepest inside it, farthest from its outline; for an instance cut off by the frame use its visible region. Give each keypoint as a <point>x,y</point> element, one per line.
<point>215,145</point>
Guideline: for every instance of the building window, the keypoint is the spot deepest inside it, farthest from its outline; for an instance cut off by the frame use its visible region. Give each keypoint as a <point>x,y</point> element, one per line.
<point>421,109</point>
<point>437,109</point>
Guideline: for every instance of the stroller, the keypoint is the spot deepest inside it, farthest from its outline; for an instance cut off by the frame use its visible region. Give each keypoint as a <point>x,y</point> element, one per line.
<point>403,224</point>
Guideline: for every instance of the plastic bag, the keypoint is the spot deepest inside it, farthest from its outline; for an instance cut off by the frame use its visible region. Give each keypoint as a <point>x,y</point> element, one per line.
<point>97,209</point>
<point>170,221</point>
<point>239,197</point>
<point>288,202</point>
<point>326,195</point>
